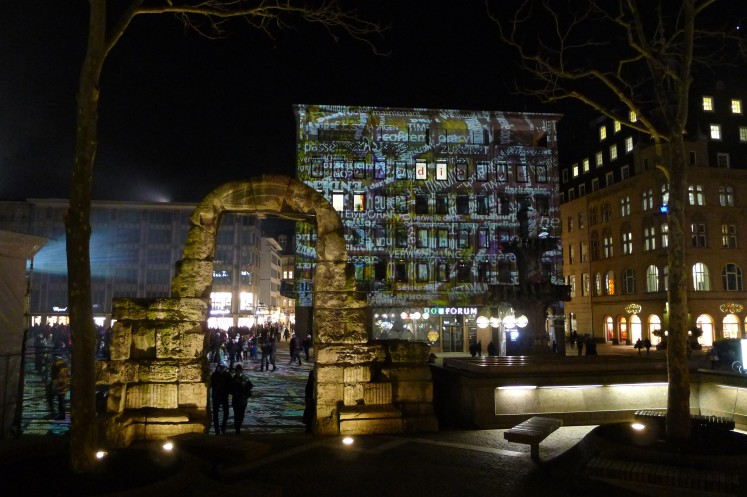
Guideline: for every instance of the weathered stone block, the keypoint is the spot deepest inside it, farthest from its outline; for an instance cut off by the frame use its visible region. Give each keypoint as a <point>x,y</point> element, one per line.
<point>182,309</point>
<point>115,400</point>
<point>129,309</point>
<point>353,394</point>
<point>179,340</point>
<point>371,426</point>
<point>111,372</point>
<point>194,278</point>
<point>340,300</point>
<point>332,274</point>
<point>193,395</point>
<point>143,341</point>
<point>349,354</point>
<point>160,431</point>
<point>330,374</point>
<point>413,391</point>
<point>159,395</point>
<point>377,393</point>
<point>158,371</point>
<point>329,393</point>
<point>121,341</point>
<point>356,374</point>
<point>340,325</point>
<point>405,351</point>
<point>193,372</point>
<point>406,373</point>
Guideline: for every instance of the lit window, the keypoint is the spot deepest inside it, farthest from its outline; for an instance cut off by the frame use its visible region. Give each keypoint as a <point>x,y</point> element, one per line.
<point>648,199</point>
<point>652,279</point>
<point>617,126</point>
<point>736,106</point>
<point>701,278</point>
<point>649,238</point>
<point>607,246</point>
<point>629,144</point>
<point>664,235</point>
<point>624,206</point>
<point>632,116</point>
<point>665,194</point>
<point>708,103</point>
<point>613,152</point>
<point>421,170</point>
<point>726,196</point>
<point>338,201</point>
<point>743,133</point>
<point>695,194</point>
<point>698,234</point>
<point>627,242</point>
<point>441,171</point>
<point>575,170</point>
<point>359,201</point>
<point>715,131</point>
<point>586,163</point>
<point>729,235</point>
<point>609,282</point>
<point>600,159</point>
<point>602,132</point>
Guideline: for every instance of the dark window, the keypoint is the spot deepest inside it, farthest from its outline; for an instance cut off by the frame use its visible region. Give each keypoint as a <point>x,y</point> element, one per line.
<point>380,169</point>
<point>464,271</point>
<point>400,170</point>
<point>481,171</point>
<point>464,238</point>
<point>421,204</point>
<point>359,169</point>
<point>317,168</point>
<point>400,271</point>
<point>400,236</point>
<point>442,203</point>
<point>483,204</point>
<point>462,204</point>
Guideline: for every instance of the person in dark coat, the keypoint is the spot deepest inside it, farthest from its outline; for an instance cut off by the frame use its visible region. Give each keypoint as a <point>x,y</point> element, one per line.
<point>295,349</point>
<point>491,349</point>
<point>241,390</point>
<point>306,345</point>
<point>220,388</point>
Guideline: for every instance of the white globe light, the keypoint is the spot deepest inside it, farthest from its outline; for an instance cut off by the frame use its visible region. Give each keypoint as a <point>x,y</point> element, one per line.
<point>403,315</point>
<point>522,321</point>
<point>509,321</point>
<point>415,315</point>
<point>482,322</point>
<point>495,322</point>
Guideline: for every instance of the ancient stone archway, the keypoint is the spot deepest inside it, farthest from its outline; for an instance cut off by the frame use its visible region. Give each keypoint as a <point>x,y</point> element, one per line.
<point>158,373</point>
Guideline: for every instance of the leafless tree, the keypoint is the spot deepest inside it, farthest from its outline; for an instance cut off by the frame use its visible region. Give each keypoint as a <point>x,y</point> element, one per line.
<point>210,18</point>
<point>627,56</point>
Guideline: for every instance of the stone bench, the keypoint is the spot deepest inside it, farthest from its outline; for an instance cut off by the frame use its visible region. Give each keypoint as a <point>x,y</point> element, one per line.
<point>532,432</point>
<point>698,420</point>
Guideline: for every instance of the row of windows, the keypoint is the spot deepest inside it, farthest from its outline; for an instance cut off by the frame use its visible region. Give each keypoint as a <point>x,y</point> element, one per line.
<point>442,170</point>
<point>656,280</point>
<point>441,271</point>
<point>435,238</point>
<point>604,248</point>
<point>716,134</point>
<point>735,103</point>
<point>585,165</point>
<point>695,196</point>
<point>440,203</point>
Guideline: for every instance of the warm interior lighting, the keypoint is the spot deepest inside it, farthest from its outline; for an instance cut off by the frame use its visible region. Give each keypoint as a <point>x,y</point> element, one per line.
<point>550,387</point>
<point>348,440</point>
<point>518,387</point>
<point>638,426</point>
<point>659,384</point>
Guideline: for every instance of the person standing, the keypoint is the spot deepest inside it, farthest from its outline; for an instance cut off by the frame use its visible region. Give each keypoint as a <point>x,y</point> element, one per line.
<point>266,350</point>
<point>273,352</point>
<point>220,387</point>
<point>59,386</point>
<point>241,390</point>
<point>295,349</point>
<point>306,344</point>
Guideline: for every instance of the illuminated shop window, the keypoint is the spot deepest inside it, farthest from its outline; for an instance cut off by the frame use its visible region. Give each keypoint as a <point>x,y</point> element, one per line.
<point>359,169</point>
<point>421,170</point>
<point>220,301</point>
<point>443,238</point>
<point>380,202</point>
<point>481,171</point>
<point>400,170</point>
<point>380,169</point>
<point>422,237</point>
<point>317,167</point>
<point>338,201</point>
<point>441,171</point>
<point>359,201</point>
<point>462,204</point>
<point>541,173</point>
<point>501,174</point>
<point>422,271</point>
<point>442,203</point>
<point>461,170</point>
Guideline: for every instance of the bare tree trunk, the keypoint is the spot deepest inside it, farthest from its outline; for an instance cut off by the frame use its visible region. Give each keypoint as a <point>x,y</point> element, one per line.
<point>678,400</point>
<point>83,434</point>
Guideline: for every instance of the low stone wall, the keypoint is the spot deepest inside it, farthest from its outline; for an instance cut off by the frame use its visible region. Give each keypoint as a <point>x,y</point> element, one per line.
<point>501,392</point>
<point>157,373</point>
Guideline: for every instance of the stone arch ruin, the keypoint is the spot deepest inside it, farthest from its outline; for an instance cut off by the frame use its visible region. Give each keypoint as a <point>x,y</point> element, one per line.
<point>158,374</point>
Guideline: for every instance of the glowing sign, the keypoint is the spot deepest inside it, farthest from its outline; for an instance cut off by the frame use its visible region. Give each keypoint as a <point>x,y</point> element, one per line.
<point>441,171</point>
<point>451,311</point>
<point>421,170</point>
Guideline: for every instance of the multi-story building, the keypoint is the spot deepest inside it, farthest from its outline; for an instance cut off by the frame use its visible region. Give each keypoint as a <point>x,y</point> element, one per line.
<point>134,248</point>
<point>615,231</point>
<point>429,199</point>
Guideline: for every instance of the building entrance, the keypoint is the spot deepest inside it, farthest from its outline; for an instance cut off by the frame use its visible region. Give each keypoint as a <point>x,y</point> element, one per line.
<point>452,336</point>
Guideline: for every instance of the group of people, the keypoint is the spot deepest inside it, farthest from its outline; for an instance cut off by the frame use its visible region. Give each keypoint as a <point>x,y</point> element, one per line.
<point>641,344</point>
<point>238,387</point>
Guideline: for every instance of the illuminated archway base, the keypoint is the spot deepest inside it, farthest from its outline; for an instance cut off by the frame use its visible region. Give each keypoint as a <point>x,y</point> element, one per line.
<point>158,373</point>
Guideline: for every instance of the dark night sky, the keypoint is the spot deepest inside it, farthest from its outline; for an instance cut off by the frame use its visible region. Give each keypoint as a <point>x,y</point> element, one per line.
<point>181,114</point>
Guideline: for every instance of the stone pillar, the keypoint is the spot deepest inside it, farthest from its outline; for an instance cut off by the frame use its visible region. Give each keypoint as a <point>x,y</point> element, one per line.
<point>157,373</point>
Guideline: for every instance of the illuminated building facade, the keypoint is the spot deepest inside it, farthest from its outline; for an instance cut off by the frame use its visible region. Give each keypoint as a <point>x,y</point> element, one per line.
<point>429,199</point>
<point>134,248</point>
<point>615,232</point>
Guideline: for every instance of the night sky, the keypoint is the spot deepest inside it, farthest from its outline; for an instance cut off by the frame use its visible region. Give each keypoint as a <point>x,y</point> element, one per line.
<point>181,114</point>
